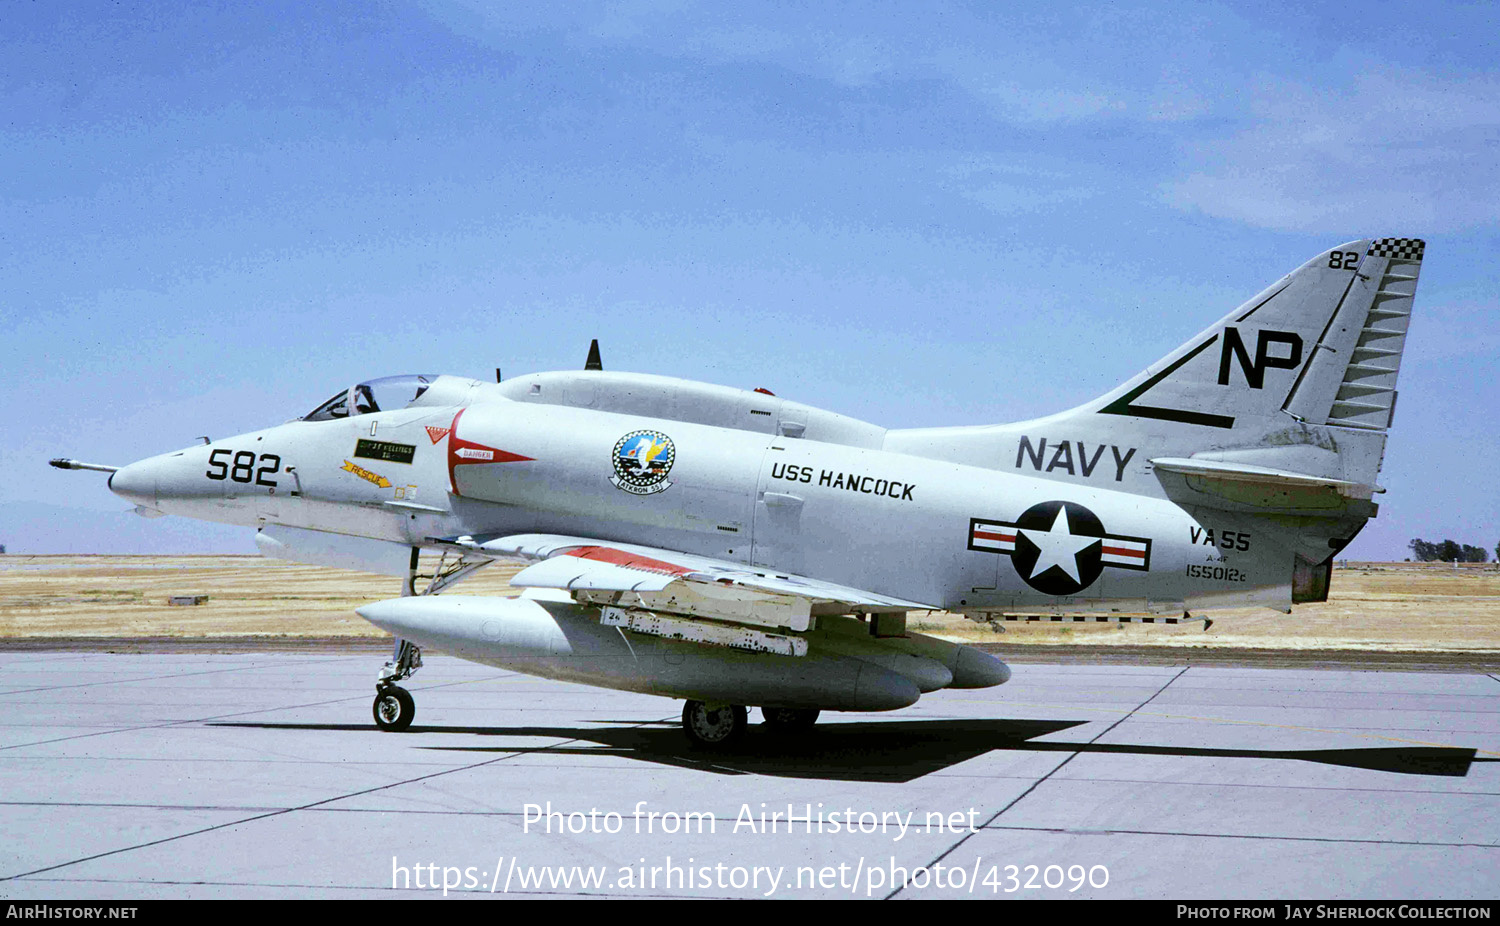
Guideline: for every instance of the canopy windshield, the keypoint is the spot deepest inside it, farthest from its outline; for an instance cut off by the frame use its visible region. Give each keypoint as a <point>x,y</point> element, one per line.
<point>373,395</point>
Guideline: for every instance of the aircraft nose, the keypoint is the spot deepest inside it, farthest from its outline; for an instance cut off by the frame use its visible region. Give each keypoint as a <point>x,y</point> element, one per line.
<point>135,483</point>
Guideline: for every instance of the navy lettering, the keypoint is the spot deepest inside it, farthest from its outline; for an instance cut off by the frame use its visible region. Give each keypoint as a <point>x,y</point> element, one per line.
<point>1084,462</point>
<point>1026,450</point>
<point>1062,457</point>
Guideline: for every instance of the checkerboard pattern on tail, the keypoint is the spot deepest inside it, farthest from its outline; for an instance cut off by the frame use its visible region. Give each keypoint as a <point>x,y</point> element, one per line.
<point>1398,248</point>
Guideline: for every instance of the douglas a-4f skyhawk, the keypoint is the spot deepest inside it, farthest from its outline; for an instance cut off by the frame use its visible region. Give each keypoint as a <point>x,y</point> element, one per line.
<point>732,548</point>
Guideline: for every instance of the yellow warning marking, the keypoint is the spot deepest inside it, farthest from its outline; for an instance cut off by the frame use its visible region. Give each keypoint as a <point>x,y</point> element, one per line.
<point>366,475</point>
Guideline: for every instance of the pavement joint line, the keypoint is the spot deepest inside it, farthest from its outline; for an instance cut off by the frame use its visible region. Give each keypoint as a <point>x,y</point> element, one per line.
<point>1383,710</point>
<point>131,681</point>
<point>208,719</point>
<point>1350,728</point>
<point>1208,784</point>
<point>1053,771</point>
<point>1337,691</point>
<point>276,813</point>
<point>1416,792</point>
<point>259,760</point>
<point>1250,723</point>
<point>102,804</point>
<point>1330,839</point>
<point>50,657</point>
<point>1342,789</point>
<point>160,726</point>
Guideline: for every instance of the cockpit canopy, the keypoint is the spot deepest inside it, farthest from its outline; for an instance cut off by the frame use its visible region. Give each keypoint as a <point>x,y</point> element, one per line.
<point>373,395</point>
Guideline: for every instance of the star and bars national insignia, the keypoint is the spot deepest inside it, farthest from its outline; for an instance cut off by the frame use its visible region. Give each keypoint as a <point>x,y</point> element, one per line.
<point>1059,548</point>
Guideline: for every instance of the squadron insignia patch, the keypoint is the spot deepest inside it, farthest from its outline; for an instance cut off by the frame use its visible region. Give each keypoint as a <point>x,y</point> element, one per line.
<point>642,461</point>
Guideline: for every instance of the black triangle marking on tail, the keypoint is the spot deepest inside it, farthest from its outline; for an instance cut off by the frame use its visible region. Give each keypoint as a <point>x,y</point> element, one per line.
<point>1122,406</point>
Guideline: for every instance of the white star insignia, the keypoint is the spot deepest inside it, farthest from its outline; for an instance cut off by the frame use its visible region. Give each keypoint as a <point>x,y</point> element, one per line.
<point>1058,546</point>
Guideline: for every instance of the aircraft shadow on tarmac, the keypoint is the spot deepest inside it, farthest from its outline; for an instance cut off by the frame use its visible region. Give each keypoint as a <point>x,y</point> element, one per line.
<point>893,751</point>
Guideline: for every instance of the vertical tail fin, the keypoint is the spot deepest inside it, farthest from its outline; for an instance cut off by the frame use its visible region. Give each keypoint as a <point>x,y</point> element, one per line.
<point>1301,378</point>
<point>1323,345</point>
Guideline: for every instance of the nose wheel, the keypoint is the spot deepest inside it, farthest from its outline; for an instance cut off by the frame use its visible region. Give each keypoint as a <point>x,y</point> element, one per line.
<point>715,726</point>
<point>394,708</point>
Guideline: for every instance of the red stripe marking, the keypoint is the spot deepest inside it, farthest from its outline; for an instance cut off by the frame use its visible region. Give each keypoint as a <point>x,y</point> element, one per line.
<point>629,560</point>
<point>987,535</point>
<point>456,443</point>
<point>1124,551</point>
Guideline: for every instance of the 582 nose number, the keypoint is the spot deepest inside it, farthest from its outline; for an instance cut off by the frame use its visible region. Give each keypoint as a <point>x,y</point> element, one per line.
<point>242,467</point>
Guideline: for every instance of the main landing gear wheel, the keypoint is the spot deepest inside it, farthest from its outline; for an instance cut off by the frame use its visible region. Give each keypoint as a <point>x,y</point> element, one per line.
<point>394,708</point>
<point>714,727</point>
<point>790,719</point>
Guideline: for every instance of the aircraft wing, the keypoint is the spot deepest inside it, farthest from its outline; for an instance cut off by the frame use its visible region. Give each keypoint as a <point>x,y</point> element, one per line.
<point>586,564</point>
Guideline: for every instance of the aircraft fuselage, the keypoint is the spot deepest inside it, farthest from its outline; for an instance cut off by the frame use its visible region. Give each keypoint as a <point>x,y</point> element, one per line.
<point>953,536</point>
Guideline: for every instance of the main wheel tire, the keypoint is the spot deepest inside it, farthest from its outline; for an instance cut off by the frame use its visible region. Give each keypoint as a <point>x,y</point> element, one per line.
<point>393,708</point>
<point>790,719</point>
<point>715,728</point>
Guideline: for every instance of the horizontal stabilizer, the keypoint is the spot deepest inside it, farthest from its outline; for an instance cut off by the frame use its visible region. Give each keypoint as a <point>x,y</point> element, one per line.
<point>1263,486</point>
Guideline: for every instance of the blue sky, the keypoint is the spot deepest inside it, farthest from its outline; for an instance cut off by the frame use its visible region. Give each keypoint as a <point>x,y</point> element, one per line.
<point>214,216</point>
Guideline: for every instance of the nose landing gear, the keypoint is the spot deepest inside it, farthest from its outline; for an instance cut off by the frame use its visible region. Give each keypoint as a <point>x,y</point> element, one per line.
<point>394,707</point>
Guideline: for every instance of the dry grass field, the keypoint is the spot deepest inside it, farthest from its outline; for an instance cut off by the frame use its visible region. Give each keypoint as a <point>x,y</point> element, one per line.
<point>1389,607</point>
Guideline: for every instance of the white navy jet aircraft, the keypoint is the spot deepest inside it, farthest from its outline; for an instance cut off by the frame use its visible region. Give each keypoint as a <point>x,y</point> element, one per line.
<point>733,548</point>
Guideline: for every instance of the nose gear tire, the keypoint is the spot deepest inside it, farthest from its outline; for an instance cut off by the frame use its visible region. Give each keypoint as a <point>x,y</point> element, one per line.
<point>393,708</point>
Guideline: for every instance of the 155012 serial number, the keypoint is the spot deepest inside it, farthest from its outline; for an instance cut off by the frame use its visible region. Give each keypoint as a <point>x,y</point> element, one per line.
<point>1217,573</point>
